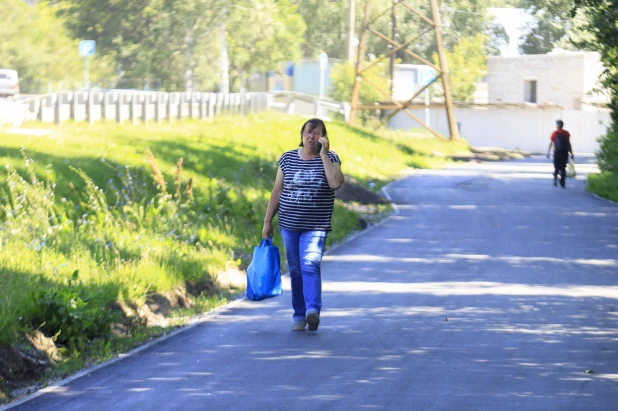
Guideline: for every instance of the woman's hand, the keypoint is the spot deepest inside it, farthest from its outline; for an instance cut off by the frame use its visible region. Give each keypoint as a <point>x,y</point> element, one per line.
<point>325,146</point>
<point>267,230</point>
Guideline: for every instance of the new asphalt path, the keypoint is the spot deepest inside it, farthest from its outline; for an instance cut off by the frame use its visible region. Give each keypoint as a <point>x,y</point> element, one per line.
<point>491,289</point>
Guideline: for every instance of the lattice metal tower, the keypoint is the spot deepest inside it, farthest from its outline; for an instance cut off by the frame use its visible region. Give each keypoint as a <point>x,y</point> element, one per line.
<point>442,70</point>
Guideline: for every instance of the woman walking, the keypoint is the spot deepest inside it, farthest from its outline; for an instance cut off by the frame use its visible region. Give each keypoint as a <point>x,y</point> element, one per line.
<point>304,197</point>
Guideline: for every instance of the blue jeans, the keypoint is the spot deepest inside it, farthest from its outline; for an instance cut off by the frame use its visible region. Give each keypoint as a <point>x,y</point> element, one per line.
<point>304,250</point>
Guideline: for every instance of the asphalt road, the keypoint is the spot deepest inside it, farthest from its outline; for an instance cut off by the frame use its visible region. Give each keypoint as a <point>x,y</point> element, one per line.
<point>491,289</point>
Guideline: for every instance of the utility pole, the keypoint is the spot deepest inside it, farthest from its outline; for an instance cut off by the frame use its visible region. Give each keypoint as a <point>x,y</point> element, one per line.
<point>351,23</point>
<point>396,46</point>
<point>448,100</point>
<point>359,64</point>
<point>225,63</point>
<point>393,35</point>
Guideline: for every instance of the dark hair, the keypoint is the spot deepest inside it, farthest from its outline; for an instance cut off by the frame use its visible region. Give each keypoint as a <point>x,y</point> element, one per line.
<point>559,123</point>
<point>313,123</point>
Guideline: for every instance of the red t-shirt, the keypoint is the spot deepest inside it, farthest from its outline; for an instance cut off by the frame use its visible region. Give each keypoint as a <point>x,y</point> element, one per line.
<point>554,136</point>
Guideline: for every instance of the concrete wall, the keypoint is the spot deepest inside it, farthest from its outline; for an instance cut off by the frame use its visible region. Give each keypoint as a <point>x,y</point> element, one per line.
<point>515,128</point>
<point>563,78</point>
<point>593,68</point>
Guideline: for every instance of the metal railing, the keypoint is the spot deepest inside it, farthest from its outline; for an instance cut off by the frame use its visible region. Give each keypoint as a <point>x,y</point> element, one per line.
<point>291,102</point>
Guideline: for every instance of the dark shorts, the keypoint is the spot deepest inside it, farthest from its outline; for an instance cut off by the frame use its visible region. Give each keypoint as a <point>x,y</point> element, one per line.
<point>561,158</point>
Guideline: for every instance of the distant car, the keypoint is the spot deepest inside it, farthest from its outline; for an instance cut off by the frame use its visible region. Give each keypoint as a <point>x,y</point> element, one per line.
<point>9,84</point>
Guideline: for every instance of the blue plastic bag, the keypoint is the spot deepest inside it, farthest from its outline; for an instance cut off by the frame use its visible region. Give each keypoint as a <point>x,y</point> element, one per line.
<point>263,274</point>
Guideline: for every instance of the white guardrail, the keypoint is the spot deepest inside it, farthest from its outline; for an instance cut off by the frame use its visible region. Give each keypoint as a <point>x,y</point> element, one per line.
<point>12,112</point>
<point>134,106</point>
<point>142,106</point>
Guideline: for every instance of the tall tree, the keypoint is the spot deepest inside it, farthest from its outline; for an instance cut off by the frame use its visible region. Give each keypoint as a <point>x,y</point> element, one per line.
<point>467,64</point>
<point>37,45</point>
<point>326,23</point>
<point>180,41</point>
<point>262,35</point>
<point>601,23</point>
<point>554,26</point>
<point>148,39</point>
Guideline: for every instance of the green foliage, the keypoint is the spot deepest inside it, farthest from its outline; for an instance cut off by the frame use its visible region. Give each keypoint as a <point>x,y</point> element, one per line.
<point>607,155</point>
<point>150,40</point>
<point>342,81</point>
<point>556,25</point>
<point>467,64</point>
<point>601,23</point>
<point>179,41</point>
<point>542,34</point>
<point>71,313</point>
<point>36,44</point>
<point>278,39</point>
<point>326,23</point>
<point>604,184</point>
<point>132,224</point>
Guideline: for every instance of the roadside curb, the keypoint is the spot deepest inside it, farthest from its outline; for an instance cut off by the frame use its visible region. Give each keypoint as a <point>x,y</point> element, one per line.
<point>605,199</point>
<point>192,321</point>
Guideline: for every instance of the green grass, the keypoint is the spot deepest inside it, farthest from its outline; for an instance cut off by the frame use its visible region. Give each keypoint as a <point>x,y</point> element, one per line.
<point>604,185</point>
<point>83,198</point>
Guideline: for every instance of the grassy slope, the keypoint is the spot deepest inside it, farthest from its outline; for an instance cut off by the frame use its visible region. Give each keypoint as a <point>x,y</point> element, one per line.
<point>232,163</point>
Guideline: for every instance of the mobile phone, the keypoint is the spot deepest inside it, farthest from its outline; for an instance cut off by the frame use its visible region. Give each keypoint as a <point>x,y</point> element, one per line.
<point>319,147</point>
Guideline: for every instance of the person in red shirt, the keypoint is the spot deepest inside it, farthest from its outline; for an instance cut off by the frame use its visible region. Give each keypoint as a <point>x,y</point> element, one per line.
<point>561,140</point>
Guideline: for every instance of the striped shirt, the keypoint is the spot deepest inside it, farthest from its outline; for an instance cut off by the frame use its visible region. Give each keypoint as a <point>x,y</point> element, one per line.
<point>307,201</point>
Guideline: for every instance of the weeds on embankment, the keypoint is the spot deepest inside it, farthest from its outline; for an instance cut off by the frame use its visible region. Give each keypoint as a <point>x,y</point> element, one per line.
<point>93,216</point>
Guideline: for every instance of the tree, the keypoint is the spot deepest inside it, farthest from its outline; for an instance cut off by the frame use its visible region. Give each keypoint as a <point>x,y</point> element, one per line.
<point>542,34</point>
<point>467,64</point>
<point>178,41</point>
<point>148,39</point>
<point>261,35</point>
<point>342,81</point>
<point>601,23</point>
<point>36,44</point>
<point>326,23</point>
<point>554,26</point>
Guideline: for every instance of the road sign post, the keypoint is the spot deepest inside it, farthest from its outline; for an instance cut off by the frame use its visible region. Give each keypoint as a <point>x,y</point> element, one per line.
<point>426,76</point>
<point>86,49</point>
<point>323,66</point>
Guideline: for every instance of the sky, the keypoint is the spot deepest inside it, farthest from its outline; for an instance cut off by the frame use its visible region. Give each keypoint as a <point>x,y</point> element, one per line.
<point>513,21</point>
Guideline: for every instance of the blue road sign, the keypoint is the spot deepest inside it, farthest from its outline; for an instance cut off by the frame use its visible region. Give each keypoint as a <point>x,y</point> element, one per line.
<point>289,69</point>
<point>426,75</point>
<point>86,48</point>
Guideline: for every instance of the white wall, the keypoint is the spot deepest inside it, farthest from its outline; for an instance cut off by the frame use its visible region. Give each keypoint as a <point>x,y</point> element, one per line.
<point>513,127</point>
<point>559,76</point>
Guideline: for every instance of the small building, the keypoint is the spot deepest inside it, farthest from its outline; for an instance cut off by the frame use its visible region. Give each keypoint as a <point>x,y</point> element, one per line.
<point>565,78</point>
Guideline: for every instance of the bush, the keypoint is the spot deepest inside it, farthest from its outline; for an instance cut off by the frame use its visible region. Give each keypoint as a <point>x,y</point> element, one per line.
<point>72,314</point>
<point>607,156</point>
<point>604,184</point>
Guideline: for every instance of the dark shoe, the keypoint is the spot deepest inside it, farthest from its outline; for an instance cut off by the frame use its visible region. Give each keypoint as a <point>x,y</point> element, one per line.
<point>555,180</point>
<point>298,325</point>
<point>562,184</point>
<point>313,319</point>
